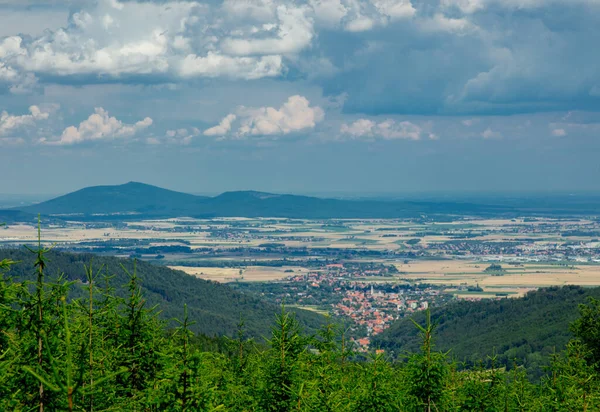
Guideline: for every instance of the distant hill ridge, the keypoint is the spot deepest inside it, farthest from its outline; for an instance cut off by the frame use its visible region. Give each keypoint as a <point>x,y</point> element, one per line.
<point>154,202</point>
<point>147,201</point>
<point>129,197</point>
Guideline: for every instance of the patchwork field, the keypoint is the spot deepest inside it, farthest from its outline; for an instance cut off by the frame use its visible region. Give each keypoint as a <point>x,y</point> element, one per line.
<point>452,254</point>
<point>249,274</point>
<point>513,279</point>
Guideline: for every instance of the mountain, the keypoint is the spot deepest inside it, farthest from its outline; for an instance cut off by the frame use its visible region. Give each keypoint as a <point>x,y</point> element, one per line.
<point>523,329</point>
<point>215,308</point>
<point>131,197</point>
<point>146,201</point>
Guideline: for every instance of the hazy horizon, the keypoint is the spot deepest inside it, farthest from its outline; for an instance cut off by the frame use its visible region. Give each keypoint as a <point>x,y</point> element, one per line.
<point>424,194</point>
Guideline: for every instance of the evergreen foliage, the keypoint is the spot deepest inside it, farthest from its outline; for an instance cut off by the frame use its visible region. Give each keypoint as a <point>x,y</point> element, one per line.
<point>527,330</point>
<point>215,308</point>
<point>101,351</point>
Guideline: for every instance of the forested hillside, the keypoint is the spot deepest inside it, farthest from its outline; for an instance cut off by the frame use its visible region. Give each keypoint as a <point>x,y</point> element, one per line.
<point>103,352</point>
<point>216,308</point>
<point>527,329</point>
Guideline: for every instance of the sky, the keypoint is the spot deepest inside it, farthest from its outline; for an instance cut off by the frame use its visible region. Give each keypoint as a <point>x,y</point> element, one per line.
<point>305,96</point>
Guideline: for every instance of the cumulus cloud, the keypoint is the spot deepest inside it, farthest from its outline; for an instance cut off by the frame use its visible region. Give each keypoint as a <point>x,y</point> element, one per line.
<point>329,12</point>
<point>469,122</point>
<point>387,130</point>
<point>395,9</point>
<point>508,56</point>
<point>491,134</point>
<point>361,127</point>
<point>360,23</point>
<point>440,23</point>
<point>179,136</point>
<point>222,128</point>
<point>15,81</point>
<point>217,65</point>
<point>559,132</point>
<point>293,34</point>
<point>294,115</point>
<point>117,40</point>
<point>11,123</point>
<point>495,61</point>
<point>100,126</point>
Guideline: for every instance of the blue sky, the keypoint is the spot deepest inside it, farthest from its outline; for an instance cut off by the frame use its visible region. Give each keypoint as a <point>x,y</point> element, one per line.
<point>313,96</point>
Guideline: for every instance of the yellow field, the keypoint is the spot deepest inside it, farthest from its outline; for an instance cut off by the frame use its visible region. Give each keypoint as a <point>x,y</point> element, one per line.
<point>470,273</point>
<point>250,274</point>
<point>215,274</point>
<point>580,275</point>
<point>440,267</point>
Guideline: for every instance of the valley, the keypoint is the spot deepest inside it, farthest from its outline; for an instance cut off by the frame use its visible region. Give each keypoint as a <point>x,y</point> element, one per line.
<point>367,273</point>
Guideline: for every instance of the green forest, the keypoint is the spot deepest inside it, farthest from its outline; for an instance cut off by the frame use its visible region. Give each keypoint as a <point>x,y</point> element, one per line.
<point>64,350</point>
<point>215,307</point>
<point>526,330</point>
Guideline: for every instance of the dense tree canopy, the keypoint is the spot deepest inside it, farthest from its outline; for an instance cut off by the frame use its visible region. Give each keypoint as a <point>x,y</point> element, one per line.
<point>103,351</point>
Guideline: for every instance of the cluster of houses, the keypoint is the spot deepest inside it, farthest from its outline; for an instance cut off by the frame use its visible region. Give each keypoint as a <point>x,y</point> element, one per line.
<point>369,305</point>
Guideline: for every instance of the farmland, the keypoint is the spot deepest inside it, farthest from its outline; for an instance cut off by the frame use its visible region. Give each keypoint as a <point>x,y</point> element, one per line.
<point>533,252</point>
<point>367,272</point>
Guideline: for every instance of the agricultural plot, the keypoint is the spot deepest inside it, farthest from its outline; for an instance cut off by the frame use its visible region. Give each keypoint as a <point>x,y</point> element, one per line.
<point>512,280</point>
<point>248,274</point>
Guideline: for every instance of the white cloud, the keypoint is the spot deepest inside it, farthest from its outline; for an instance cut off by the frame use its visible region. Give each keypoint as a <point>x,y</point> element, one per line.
<point>395,9</point>
<point>181,39</point>
<point>180,136</point>
<point>466,6</point>
<point>440,23</point>
<point>469,122</point>
<point>222,128</point>
<point>559,132</point>
<point>215,65</point>
<point>294,33</point>
<point>7,73</point>
<point>176,39</point>
<point>493,59</point>
<point>360,128</point>
<point>387,130</point>
<point>17,82</point>
<point>10,123</point>
<point>360,23</point>
<point>329,12</point>
<point>294,115</point>
<point>490,134</point>
<point>100,126</point>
